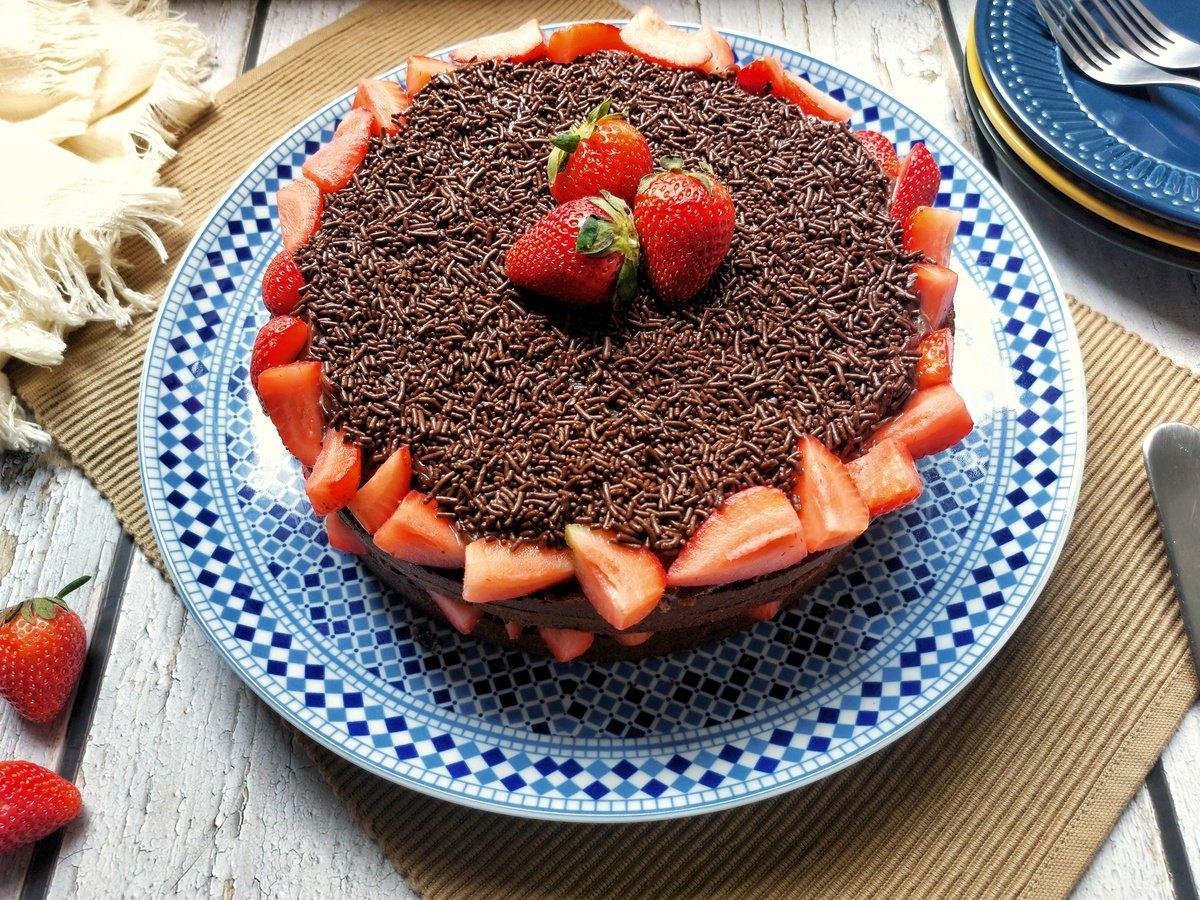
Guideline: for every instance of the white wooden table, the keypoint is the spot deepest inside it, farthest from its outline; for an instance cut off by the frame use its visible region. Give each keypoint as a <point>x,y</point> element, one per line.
<point>192,787</point>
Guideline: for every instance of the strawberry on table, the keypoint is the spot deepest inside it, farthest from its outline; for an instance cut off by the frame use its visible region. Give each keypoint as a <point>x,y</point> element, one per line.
<point>378,498</point>
<point>335,475</point>
<point>602,153</point>
<point>34,802</point>
<point>416,533</point>
<point>623,584</point>
<point>300,208</point>
<point>566,643</point>
<point>917,184</point>
<point>494,570</point>
<point>421,70</point>
<point>936,362</point>
<point>934,287</point>
<point>831,509</point>
<point>332,167</point>
<point>384,100</point>
<point>280,341</point>
<point>767,75</point>
<point>934,420</point>
<point>721,62</point>
<point>291,396</point>
<point>42,647</point>
<point>651,38</point>
<point>568,44</point>
<point>523,44</point>
<point>931,231</point>
<point>685,223</point>
<point>584,253</point>
<point>880,149</point>
<point>886,477</point>
<point>281,284</point>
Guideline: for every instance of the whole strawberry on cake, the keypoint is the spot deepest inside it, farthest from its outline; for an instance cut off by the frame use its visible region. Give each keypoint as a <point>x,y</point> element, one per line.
<point>601,345</point>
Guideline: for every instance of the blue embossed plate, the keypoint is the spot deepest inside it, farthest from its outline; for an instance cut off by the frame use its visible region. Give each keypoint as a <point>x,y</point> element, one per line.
<point>1138,144</point>
<point>920,606</point>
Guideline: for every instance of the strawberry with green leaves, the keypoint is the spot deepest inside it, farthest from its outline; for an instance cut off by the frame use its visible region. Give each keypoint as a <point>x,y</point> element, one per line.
<point>685,224</point>
<point>34,802</point>
<point>42,647</point>
<point>602,153</point>
<point>583,253</point>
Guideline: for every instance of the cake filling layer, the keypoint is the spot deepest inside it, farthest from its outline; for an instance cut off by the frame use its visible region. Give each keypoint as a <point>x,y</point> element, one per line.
<point>523,415</point>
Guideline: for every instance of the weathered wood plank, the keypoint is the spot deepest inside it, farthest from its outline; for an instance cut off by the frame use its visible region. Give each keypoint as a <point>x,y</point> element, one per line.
<point>1181,762</point>
<point>227,25</point>
<point>290,20</point>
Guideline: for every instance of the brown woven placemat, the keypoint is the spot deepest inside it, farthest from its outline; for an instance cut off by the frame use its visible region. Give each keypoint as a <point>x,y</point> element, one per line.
<point>1008,791</point>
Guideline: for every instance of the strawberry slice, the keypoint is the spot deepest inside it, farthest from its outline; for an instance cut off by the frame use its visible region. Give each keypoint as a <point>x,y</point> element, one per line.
<point>281,284</point>
<point>522,44</point>
<point>831,509</point>
<point>378,498</point>
<point>335,475</point>
<point>935,287</point>
<point>765,75</point>
<point>416,533</point>
<point>632,640</point>
<point>722,61</point>
<point>934,419</point>
<point>931,231</point>
<point>280,341</point>
<point>766,612</point>
<point>384,100</point>
<point>886,477</point>
<point>651,38</point>
<point>514,629</point>
<point>568,44</point>
<point>768,76</point>
<point>291,395</point>
<point>299,212</point>
<point>566,643</point>
<point>420,71</point>
<point>880,149</point>
<point>332,167</point>
<point>936,362</point>
<point>918,183</point>
<point>342,536</point>
<point>497,571</point>
<point>623,583</point>
<point>755,531</point>
<point>463,616</point>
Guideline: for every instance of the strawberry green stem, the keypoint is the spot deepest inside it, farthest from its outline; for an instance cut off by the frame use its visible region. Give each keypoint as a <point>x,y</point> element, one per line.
<point>568,142</point>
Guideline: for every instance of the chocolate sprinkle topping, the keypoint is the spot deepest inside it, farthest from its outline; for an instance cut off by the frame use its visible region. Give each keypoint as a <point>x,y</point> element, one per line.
<point>523,415</point>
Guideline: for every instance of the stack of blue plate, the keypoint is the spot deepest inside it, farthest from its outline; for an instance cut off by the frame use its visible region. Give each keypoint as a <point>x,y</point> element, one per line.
<point>1122,162</point>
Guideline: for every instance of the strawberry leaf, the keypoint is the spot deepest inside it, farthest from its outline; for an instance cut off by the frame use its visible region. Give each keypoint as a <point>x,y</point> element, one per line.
<point>74,585</point>
<point>596,236</point>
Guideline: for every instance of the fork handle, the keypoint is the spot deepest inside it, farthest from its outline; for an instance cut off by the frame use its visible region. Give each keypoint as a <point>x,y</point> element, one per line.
<point>1184,81</point>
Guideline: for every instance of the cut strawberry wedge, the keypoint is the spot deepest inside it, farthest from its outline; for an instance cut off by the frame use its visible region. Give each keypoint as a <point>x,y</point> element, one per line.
<point>416,533</point>
<point>651,38</point>
<point>420,71</point>
<point>931,231</point>
<point>281,284</point>
<point>768,76</point>
<point>766,612</point>
<point>299,212</point>
<point>623,583</point>
<point>934,419</point>
<point>831,509</point>
<point>722,61</point>
<point>886,477</point>
<point>566,643</point>
<point>754,532</point>
<point>378,498</point>
<point>936,362</point>
<point>342,536</point>
<point>935,287</point>
<point>335,475</point>
<point>291,395</point>
<point>522,44</point>
<point>280,341</point>
<point>633,640</point>
<point>463,616</point>
<point>514,629</point>
<point>917,184</point>
<point>332,167</point>
<point>568,44</point>
<point>384,100</point>
<point>880,149</point>
<point>496,571</point>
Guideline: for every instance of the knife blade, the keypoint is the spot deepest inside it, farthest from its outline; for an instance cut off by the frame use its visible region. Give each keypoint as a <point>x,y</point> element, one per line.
<point>1172,456</point>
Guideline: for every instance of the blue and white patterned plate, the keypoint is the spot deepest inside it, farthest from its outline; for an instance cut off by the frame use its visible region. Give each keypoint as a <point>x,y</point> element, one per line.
<point>924,601</point>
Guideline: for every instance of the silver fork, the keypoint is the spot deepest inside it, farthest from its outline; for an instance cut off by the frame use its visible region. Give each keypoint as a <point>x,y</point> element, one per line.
<point>1146,35</point>
<point>1096,54</point>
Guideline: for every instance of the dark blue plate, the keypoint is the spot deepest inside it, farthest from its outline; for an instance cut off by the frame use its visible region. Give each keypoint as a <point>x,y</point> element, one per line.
<point>1141,145</point>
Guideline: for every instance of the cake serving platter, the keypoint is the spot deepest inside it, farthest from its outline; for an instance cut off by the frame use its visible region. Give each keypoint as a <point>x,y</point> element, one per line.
<point>925,599</point>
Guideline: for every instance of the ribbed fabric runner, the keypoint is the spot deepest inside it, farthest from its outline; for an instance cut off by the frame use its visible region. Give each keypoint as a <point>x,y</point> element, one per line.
<point>1008,791</point>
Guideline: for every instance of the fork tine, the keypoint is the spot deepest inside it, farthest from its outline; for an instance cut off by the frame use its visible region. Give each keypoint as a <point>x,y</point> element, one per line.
<point>1150,23</point>
<point>1126,31</point>
<point>1080,36</point>
<point>1053,21</point>
<point>1094,31</point>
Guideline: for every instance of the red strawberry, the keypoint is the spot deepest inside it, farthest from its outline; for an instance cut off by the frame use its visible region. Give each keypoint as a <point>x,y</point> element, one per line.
<point>568,44</point>
<point>280,341</point>
<point>831,509</point>
<point>768,76</point>
<point>583,253</point>
<point>34,802</point>
<point>918,183</point>
<point>494,570</point>
<point>623,584</point>
<point>299,212</point>
<point>42,646</point>
<point>463,616</point>
<point>384,100</point>
<point>931,232</point>
<point>514,630</point>
<point>291,395</point>
<point>566,643</point>
<point>342,536</point>
<point>378,498</point>
<point>332,167</point>
<point>602,153</point>
<point>421,70</point>
<point>937,358</point>
<point>335,475</point>
<point>651,38</point>
<point>416,533</point>
<point>766,612</point>
<point>634,639</point>
<point>880,149</point>
<point>886,477</point>
<point>933,420</point>
<point>281,284</point>
<point>685,224</point>
<point>522,44</point>
<point>721,62</point>
<point>935,287</point>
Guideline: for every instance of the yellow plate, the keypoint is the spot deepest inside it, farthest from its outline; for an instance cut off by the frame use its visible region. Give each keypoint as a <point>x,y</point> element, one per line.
<point>1060,182</point>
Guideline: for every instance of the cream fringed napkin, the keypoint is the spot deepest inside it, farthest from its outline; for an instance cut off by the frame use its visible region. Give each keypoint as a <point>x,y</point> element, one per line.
<point>91,95</point>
